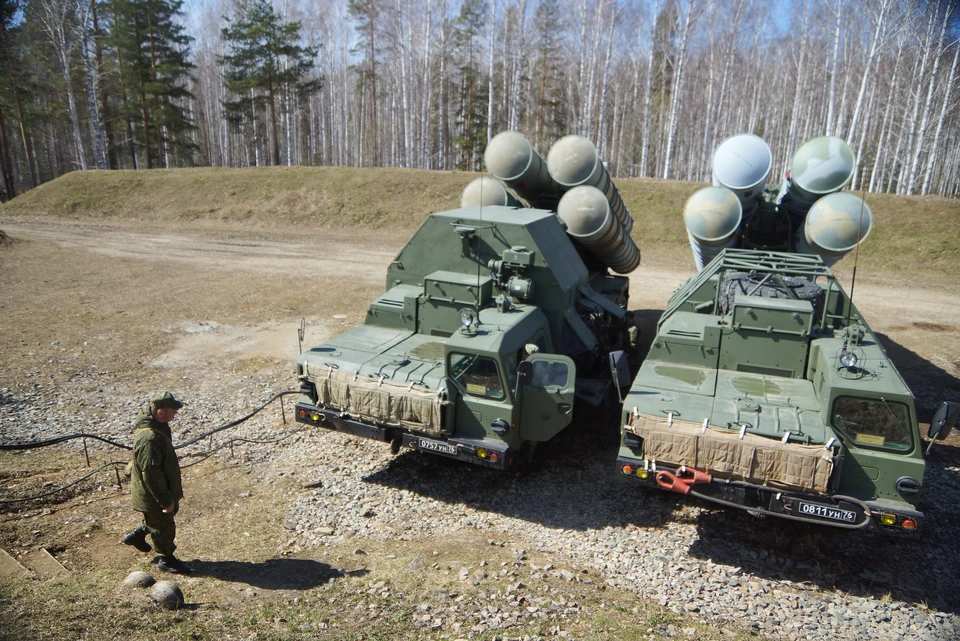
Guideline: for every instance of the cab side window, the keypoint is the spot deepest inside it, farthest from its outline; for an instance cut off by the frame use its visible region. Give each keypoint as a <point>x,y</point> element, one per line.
<point>547,374</point>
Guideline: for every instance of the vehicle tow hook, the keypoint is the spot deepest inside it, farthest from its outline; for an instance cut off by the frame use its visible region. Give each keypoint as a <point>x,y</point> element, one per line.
<point>693,477</point>
<point>668,481</point>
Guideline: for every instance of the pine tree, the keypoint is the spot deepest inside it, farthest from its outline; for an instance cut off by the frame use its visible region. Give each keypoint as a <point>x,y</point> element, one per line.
<point>366,15</point>
<point>264,61</point>
<point>472,119</point>
<point>550,115</point>
<point>152,55</point>
<point>12,98</point>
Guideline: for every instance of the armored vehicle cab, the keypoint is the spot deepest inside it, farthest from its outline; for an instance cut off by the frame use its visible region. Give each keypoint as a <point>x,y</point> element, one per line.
<point>766,390</point>
<point>496,316</point>
<point>444,362</point>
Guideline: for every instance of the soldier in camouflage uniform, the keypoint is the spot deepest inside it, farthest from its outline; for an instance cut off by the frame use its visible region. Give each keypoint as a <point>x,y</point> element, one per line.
<point>155,486</point>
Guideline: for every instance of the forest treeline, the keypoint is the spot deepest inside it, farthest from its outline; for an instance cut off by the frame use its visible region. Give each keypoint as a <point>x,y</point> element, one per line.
<point>656,84</point>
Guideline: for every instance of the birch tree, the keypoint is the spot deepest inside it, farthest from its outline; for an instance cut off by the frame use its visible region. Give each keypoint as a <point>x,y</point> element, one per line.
<point>690,11</point>
<point>937,50</point>
<point>57,17</point>
<point>85,11</point>
<point>945,107</point>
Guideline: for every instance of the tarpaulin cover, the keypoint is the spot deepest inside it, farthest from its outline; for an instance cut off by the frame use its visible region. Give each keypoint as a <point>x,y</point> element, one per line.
<point>382,402</point>
<point>722,453</point>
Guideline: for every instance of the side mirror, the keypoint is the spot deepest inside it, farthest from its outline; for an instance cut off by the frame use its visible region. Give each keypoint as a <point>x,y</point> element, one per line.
<point>619,372</point>
<point>620,369</point>
<point>944,421</point>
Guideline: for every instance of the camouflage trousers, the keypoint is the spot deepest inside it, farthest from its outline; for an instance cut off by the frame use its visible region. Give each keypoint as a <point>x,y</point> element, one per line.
<point>162,529</point>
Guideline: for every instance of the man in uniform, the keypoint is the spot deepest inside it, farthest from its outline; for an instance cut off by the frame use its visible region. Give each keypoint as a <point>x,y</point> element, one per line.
<point>632,345</point>
<point>155,486</point>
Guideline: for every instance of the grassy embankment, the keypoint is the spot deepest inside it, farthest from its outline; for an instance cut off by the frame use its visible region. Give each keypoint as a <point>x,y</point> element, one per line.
<point>913,234</point>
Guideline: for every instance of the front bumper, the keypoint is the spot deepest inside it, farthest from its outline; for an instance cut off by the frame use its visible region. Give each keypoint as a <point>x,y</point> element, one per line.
<point>485,452</point>
<point>834,511</point>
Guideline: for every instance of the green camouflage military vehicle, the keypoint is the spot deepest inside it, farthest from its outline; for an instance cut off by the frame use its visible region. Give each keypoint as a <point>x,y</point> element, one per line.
<point>764,387</point>
<point>496,317</point>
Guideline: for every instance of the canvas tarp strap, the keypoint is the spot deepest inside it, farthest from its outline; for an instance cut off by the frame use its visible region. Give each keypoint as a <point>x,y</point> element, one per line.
<point>722,453</point>
<point>383,402</point>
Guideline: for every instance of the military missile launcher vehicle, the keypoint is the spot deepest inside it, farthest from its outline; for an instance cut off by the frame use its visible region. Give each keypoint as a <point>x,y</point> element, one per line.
<point>764,388</point>
<point>497,317</point>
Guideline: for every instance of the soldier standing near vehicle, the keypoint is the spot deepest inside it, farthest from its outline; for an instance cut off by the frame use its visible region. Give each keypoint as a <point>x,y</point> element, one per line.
<point>632,342</point>
<point>155,485</point>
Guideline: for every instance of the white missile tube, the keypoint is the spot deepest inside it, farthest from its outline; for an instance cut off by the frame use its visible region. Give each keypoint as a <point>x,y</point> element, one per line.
<point>712,217</point>
<point>573,161</point>
<point>590,221</point>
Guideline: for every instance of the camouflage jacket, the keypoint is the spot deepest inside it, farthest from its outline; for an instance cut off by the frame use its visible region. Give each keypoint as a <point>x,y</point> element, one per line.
<point>155,477</point>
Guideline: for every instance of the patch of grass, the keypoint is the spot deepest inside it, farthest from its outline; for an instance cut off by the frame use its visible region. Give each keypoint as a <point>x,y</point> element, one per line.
<point>322,196</point>
<point>916,233</point>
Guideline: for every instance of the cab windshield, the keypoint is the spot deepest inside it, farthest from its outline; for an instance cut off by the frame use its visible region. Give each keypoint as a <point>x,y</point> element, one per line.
<point>874,422</point>
<point>477,375</point>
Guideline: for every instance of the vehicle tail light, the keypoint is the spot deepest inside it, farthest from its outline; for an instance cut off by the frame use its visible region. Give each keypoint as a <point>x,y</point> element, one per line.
<point>481,452</point>
<point>642,473</point>
<point>494,457</point>
<point>909,524</point>
<point>627,469</point>
<point>888,519</point>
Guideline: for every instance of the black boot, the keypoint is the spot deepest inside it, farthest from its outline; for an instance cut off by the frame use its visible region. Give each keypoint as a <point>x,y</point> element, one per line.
<point>138,539</point>
<point>173,565</point>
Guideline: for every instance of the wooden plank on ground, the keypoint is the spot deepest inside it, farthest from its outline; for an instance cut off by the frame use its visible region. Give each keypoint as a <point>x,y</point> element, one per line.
<point>10,568</point>
<point>44,564</point>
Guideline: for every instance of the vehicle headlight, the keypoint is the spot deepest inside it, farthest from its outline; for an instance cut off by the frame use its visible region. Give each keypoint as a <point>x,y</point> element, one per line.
<point>848,359</point>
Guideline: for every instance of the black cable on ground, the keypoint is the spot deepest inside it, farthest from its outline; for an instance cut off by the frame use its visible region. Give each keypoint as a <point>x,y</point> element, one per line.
<point>61,489</point>
<point>60,439</point>
<point>206,455</point>
<point>238,421</point>
<point>210,453</point>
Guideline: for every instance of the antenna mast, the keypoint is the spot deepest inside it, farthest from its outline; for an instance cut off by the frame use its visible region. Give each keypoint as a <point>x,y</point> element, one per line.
<point>476,298</point>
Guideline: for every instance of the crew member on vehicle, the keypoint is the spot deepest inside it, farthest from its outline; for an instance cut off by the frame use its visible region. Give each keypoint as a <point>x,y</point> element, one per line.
<point>155,484</point>
<point>632,339</point>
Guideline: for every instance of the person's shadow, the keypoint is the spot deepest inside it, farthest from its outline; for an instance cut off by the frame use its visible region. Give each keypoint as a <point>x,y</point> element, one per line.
<point>272,574</point>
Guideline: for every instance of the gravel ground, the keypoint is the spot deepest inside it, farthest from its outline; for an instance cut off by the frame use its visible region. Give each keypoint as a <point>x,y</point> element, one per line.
<point>783,580</point>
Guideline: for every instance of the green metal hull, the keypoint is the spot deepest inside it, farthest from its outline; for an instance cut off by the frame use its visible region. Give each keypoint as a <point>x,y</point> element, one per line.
<point>440,364</point>
<point>766,390</point>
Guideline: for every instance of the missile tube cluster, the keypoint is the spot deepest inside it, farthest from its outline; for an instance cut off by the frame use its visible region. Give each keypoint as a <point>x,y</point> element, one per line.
<point>822,220</point>
<point>572,182</point>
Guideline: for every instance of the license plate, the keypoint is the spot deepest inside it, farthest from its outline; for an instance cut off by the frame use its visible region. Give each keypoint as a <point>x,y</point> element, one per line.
<point>436,446</point>
<point>827,512</point>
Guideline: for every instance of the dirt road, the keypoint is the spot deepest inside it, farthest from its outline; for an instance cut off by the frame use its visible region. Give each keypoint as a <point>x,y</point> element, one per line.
<point>94,316</point>
<point>918,320</point>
